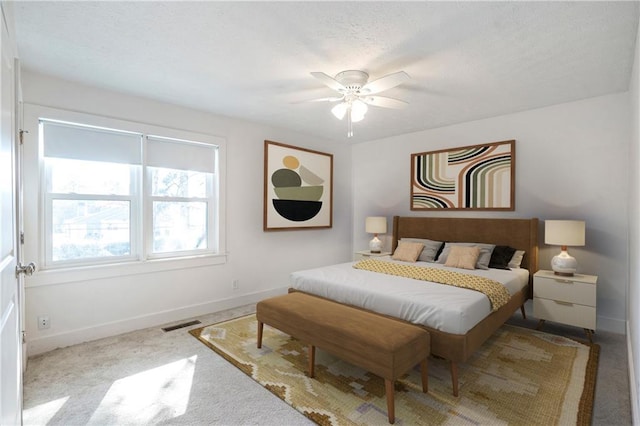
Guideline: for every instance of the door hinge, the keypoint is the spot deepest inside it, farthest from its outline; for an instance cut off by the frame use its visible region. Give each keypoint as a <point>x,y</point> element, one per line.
<point>22,237</point>
<point>21,135</point>
<point>24,337</point>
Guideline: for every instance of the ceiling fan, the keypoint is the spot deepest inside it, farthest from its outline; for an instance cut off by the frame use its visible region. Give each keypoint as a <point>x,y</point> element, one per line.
<point>356,93</point>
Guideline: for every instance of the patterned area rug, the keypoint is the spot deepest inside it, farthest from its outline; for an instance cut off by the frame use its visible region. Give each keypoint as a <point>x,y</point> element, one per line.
<point>519,376</point>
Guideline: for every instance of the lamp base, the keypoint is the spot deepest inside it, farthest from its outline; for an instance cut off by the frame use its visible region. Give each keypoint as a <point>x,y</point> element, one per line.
<point>563,274</point>
<point>375,245</point>
<point>564,264</point>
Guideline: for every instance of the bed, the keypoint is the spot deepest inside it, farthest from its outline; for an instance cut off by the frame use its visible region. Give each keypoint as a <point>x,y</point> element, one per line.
<point>459,341</point>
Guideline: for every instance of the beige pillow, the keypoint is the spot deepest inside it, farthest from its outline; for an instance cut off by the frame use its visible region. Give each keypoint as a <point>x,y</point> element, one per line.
<point>431,248</point>
<point>407,251</point>
<point>483,259</point>
<point>463,257</point>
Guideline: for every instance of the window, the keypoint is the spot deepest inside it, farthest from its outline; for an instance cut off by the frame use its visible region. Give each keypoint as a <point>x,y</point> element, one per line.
<point>113,196</point>
<point>181,196</point>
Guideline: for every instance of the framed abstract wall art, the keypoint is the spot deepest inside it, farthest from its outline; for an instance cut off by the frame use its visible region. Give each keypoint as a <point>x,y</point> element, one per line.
<point>478,177</point>
<point>298,188</point>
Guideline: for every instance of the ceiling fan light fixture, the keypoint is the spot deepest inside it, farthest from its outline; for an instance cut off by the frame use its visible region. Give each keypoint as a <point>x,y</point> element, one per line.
<point>339,110</point>
<point>358,110</point>
<point>356,91</point>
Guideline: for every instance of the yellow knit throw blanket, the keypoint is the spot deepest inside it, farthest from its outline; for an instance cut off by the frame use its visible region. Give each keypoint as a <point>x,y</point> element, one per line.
<point>495,291</point>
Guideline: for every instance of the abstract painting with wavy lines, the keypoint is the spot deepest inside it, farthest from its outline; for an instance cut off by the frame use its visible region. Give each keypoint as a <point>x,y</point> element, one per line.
<point>477,177</point>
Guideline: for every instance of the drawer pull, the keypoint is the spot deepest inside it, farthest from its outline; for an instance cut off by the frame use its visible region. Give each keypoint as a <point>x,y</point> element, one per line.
<point>563,281</point>
<point>563,303</point>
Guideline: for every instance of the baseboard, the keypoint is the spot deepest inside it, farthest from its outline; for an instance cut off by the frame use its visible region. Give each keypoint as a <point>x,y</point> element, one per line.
<point>60,340</point>
<point>635,417</point>
<point>612,325</point>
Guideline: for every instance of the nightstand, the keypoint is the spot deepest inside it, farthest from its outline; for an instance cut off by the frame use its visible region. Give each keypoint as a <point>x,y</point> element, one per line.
<point>566,300</point>
<point>365,254</point>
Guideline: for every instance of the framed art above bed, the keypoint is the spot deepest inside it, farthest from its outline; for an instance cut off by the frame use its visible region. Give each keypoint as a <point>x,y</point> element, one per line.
<point>477,177</point>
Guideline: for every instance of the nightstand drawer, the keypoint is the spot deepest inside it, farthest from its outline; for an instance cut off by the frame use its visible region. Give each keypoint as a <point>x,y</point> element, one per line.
<point>565,290</point>
<point>565,313</point>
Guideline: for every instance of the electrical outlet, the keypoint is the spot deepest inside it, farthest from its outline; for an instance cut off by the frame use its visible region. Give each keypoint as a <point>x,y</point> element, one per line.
<point>236,284</point>
<point>43,322</point>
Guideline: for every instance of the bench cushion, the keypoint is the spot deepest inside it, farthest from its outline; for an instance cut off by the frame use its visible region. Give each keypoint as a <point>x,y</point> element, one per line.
<point>384,346</point>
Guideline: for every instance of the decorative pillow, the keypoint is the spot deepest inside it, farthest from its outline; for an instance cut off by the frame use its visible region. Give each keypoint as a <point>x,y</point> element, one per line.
<point>516,260</point>
<point>431,248</point>
<point>483,259</point>
<point>501,257</point>
<point>463,257</point>
<point>407,251</point>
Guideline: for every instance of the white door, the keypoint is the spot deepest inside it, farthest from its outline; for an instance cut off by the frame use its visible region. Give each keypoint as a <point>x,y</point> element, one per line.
<point>19,147</point>
<point>10,310</point>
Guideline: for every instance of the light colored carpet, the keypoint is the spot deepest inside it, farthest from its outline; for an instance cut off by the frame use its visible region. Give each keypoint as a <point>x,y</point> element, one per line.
<point>519,376</point>
<point>148,377</point>
<point>68,386</point>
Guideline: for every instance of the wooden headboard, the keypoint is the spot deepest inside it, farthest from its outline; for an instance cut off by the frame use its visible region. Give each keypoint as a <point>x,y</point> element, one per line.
<point>521,234</point>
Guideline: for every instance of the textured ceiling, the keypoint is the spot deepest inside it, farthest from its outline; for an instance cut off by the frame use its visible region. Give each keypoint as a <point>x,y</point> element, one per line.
<point>251,60</point>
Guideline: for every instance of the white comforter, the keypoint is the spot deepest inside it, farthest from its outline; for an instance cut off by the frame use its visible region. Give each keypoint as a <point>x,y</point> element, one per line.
<point>443,307</point>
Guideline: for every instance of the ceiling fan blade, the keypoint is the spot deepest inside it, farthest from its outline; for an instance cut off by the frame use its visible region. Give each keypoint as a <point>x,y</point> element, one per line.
<point>385,83</point>
<point>329,81</point>
<point>330,99</point>
<point>384,102</point>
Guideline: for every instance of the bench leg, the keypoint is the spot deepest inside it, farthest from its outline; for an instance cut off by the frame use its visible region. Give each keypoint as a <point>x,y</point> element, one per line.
<point>454,377</point>
<point>260,328</point>
<point>388,384</point>
<point>524,314</point>
<point>425,376</point>
<point>312,361</point>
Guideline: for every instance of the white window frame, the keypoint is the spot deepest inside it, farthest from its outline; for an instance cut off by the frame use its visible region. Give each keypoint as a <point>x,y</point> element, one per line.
<point>49,196</point>
<point>211,201</point>
<point>141,262</point>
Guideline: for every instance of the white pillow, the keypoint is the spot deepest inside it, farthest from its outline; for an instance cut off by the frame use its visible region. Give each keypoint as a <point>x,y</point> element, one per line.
<point>516,259</point>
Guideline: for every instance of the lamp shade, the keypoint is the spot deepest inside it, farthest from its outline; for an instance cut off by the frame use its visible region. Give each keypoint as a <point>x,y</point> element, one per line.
<point>564,232</point>
<point>339,110</point>
<point>376,225</point>
<point>358,110</point>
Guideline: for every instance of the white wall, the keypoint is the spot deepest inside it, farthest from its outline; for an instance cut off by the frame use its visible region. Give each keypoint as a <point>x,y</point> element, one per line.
<point>570,164</point>
<point>633,313</point>
<point>261,261</point>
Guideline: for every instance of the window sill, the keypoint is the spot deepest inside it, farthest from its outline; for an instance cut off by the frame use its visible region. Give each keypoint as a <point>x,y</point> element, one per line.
<point>88,273</point>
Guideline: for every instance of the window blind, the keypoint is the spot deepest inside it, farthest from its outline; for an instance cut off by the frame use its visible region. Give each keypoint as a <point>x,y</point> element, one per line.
<point>181,155</point>
<point>66,140</point>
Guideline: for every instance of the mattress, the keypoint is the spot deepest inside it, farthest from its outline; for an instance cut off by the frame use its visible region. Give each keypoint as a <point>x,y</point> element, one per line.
<point>447,308</point>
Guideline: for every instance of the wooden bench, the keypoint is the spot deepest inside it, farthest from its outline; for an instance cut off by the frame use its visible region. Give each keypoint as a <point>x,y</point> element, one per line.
<point>383,346</point>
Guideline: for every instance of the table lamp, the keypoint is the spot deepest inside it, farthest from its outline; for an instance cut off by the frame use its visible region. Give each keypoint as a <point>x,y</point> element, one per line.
<point>375,225</point>
<point>564,233</point>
